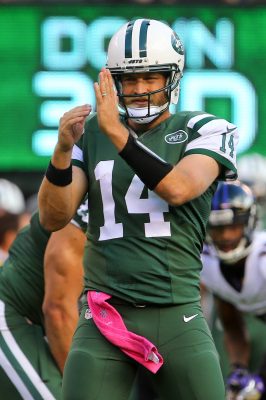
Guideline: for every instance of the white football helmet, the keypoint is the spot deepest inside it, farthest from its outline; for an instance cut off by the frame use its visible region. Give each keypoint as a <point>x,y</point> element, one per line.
<point>11,197</point>
<point>146,45</point>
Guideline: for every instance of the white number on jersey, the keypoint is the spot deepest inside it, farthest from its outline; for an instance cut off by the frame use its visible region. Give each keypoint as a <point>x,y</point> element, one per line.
<point>153,205</point>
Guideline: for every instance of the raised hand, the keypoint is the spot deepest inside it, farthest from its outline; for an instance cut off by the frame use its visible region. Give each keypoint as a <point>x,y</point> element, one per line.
<point>253,390</point>
<point>71,127</point>
<point>107,110</point>
<point>241,385</point>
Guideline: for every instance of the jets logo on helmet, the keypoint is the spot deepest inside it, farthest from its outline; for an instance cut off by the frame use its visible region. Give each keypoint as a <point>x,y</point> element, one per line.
<point>177,44</point>
<point>146,45</point>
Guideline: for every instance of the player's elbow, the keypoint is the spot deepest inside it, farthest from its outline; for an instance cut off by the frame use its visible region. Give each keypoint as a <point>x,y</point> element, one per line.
<point>184,191</point>
<point>174,195</point>
<point>176,198</point>
<point>53,311</point>
<point>51,222</point>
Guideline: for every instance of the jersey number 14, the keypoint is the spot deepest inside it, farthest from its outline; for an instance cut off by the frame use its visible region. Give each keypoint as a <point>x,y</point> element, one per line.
<point>153,205</point>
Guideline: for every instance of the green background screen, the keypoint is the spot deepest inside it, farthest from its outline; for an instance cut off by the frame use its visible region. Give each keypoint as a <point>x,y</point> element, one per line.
<point>51,55</point>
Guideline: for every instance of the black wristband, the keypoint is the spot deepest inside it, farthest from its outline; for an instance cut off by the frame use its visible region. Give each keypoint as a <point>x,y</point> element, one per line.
<point>149,167</point>
<point>59,177</point>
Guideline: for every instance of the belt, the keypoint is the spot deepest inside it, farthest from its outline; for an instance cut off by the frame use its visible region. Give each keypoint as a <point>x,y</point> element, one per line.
<point>120,302</point>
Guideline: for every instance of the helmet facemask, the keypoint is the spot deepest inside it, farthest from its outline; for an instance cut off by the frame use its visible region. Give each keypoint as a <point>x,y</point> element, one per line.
<point>243,247</point>
<point>233,204</point>
<point>144,115</point>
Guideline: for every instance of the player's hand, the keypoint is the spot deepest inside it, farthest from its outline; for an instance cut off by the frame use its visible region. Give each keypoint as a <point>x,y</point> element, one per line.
<point>236,381</point>
<point>107,103</point>
<point>71,127</point>
<point>241,385</point>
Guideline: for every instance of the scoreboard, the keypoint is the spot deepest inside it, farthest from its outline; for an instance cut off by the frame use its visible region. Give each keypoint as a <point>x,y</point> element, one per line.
<point>50,56</point>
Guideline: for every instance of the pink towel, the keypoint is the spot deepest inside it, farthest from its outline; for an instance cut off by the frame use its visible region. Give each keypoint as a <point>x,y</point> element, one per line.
<point>111,325</point>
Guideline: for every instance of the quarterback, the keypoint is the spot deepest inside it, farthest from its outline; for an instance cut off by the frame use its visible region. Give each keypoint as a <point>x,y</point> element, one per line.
<point>150,178</point>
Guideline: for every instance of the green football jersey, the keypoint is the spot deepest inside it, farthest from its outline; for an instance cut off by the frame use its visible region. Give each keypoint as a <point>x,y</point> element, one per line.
<point>140,248</point>
<point>22,277</point>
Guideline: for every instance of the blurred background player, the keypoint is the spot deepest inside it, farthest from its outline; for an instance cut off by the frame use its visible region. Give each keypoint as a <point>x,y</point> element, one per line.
<point>12,207</point>
<point>40,284</point>
<point>234,270</point>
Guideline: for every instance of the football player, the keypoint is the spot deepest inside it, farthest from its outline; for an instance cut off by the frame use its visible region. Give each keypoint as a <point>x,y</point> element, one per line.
<point>40,284</point>
<point>150,176</point>
<point>234,270</point>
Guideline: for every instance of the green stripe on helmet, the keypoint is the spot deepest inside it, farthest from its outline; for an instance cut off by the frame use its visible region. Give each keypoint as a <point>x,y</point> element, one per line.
<point>128,40</point>
<point>143,38</point>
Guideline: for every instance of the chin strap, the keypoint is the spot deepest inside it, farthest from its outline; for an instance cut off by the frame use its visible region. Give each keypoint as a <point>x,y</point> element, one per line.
<point>145,115</point>
<point>230,257</point>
